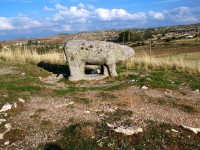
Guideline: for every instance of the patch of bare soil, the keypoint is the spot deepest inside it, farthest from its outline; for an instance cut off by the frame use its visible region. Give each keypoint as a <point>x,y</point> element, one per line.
<point>8,70</point>
<point>43,117</point>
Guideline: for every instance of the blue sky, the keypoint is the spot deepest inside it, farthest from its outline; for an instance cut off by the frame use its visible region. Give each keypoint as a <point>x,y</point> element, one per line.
<point>40,18</point>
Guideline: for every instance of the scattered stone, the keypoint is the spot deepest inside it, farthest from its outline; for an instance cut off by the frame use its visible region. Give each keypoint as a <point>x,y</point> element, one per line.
<point>1,136</point>
<point>144,87</point>
<point>128,130</point>
<point>62,105</point>
<point>167,131</point>
<point>60,76</point>
<point>111,125</point>
<point>8,126</point>
<point>196,92</point>
<point>2,120</point>
<point>71,103</point>
<point>21,100</point>
<point>108,109</point>
<point>149,79</point>
<point>15,105</point>
<point>5,114</point>
<point>173,130</point>
<point>7,143</point>
<point>195,130</point>
<point>23,73</point>
<point>6,107</point>
<point>6,95</point>
<point>168,91</point>
<point>87,112</point>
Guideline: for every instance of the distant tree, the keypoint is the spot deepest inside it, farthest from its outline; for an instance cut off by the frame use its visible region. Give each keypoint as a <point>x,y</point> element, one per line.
<point>1,47</point>
<point>148,34</point>
<point>29,43</point>
<point>137,37</point>
<point>125,36</point>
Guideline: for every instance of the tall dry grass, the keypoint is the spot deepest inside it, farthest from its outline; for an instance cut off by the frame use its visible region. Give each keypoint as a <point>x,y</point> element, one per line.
<point>144,60</point>
<point>166,63</point>
<point>27,56</point>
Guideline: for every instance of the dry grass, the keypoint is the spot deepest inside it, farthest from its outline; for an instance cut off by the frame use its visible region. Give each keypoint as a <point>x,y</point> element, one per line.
<point>170,62</point>
<point>27,56</point>
<point>178,63</point>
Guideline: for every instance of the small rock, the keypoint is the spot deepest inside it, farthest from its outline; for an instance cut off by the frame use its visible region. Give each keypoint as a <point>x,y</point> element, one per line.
<point>7,143</point>
<point>6,107</point>
<point>111,125</point>
<point>87,112</point>
<point>23,73</point>
<point>1,136</point>
<point>144,87</point>
<point>15,105</point>
<point>128,130</point>
<point>8,126</point>
<point>195,130</point>
<point>21,100</point>
<point>71,103</point>
<point>60,76</point>
<point>196,92</point>
<point>167,131</point>
<point>6,95</point>
<point>168,91</point>
<point>2,120</point>
<point>173,130</point>
<point>149,79</point>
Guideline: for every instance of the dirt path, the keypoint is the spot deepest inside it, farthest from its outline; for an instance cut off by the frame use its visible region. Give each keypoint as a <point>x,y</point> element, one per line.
<point>44,116</point>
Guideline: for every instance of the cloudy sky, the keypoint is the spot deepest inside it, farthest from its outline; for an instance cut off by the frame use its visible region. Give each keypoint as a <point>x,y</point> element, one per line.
<point>40,18</point>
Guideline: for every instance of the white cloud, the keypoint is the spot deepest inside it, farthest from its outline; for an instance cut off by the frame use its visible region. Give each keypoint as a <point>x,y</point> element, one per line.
<point>81,5</point>
<point>46,8</point>
<point>183,14</point>
<point>156,15</point>
<point>60,7</point>
<point>62,28</point>
<point>121,14</point>
<point>70,13</point>
<point>91,7</point>
<point>5,24</point>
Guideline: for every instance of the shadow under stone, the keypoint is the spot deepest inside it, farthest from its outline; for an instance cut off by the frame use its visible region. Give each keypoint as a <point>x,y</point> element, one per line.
<point>52,146</point>
<point>55,68</point>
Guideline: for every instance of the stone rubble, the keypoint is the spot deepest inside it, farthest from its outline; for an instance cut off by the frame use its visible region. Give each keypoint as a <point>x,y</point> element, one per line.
<point>127,130</point>
<point>144,87</point>
<point>21,100</point>
<point>8,127</point>
<point>6,107</point>
<point>195,130</point>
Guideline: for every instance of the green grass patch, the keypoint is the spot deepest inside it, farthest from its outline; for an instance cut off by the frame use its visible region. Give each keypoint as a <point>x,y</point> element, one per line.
<point>99,136</point>
<point>46,123</point>
<point>85,101</point>
<point>118,115</point>
<point>106,96</point>
<point>185,108</point>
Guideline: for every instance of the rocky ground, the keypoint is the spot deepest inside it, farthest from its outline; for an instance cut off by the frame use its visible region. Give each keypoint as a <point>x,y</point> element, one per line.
<point>36,116</point>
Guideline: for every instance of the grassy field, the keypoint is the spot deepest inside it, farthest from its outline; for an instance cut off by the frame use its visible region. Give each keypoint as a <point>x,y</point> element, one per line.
<point>59,114</point>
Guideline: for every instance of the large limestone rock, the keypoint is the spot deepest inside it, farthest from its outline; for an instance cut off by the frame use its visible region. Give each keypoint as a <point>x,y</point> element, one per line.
<point>106,54</point>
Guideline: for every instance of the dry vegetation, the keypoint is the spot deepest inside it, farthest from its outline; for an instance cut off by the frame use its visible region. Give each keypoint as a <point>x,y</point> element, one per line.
<point>27,56</point>
<point>181,62</point>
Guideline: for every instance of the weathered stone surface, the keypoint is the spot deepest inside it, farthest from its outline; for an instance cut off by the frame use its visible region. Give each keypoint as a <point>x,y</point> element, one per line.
<point>128,130</point>
<point>6,107</point>
<point>106,54</point>
<point>195,130</point>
